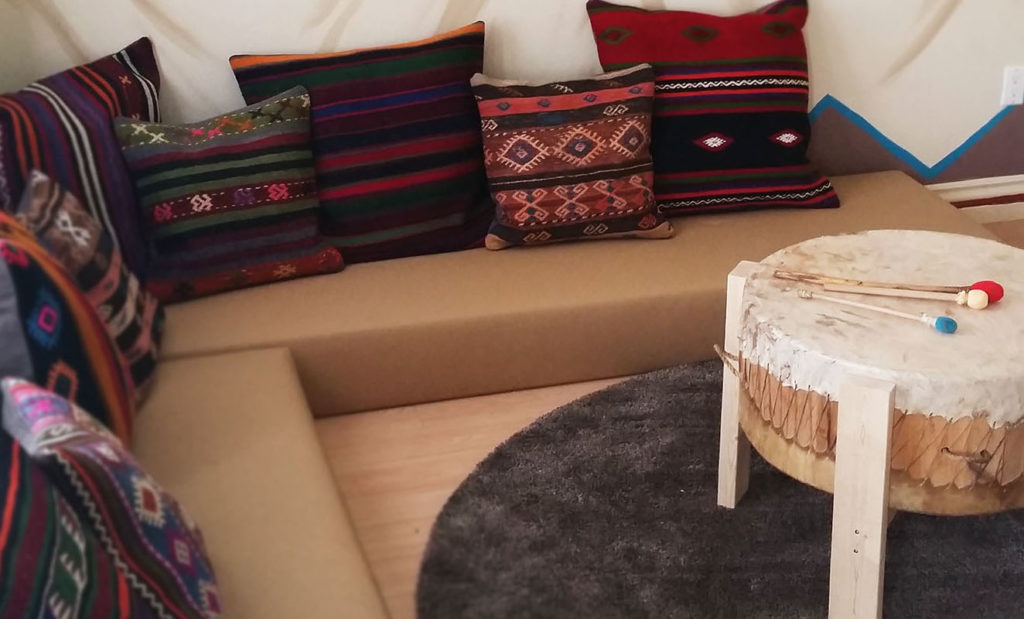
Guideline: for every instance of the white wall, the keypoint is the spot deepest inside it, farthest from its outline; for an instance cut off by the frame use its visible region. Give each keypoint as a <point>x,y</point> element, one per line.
<point>925,72</point>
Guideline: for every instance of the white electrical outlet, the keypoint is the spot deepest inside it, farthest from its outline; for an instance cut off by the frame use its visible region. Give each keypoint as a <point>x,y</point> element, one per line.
<point>1013,86</point>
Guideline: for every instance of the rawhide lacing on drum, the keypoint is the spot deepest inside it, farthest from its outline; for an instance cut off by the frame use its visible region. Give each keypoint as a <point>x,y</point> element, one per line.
<point>960,453</point>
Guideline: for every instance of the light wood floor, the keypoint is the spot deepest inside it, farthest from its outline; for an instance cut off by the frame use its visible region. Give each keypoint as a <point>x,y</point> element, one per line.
<point>397,467</point>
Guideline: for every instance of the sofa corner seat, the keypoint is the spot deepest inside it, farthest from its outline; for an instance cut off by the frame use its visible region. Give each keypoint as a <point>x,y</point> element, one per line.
<point>231,437</point>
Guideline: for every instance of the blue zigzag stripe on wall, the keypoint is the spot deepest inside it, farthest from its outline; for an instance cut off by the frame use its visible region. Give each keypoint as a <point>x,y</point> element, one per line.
<point>926,171</point>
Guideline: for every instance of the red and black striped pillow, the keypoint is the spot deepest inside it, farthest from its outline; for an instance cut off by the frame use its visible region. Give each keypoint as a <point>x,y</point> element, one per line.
<point>397,142</point>
<point>61,126</point>
<point>730,112</point>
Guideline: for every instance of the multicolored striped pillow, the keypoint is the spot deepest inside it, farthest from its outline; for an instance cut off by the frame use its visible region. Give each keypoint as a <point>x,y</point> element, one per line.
<point>397,142</point>
<point>134,318</point>
<point>570,160</point>
<point>52,563</point>
<point>231,201</point>
<point>50,333</point>
<point>730,110</point>
<point>62,126</point>
<point>142,527</point>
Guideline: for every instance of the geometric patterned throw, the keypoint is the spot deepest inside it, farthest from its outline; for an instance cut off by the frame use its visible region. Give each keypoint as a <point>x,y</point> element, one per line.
<point>134,317</point>
<point>52,563</point>
<point>151,540</point>
<point>51,334</point>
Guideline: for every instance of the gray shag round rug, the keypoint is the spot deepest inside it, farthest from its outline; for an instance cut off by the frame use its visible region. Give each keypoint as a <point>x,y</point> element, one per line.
<point>607,508</point>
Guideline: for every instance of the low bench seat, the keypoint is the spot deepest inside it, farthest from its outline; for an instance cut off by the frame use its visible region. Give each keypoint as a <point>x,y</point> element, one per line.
<point>454,325</point>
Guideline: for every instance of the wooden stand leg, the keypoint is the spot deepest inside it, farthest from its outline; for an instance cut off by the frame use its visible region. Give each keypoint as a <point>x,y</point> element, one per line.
<point>860,515</point>
<point>733,448</point>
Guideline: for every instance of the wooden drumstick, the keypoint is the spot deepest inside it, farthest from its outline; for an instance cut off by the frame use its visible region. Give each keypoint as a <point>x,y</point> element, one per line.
<point>992,289</point>
<point>943,324</point>
<point>974,299</point>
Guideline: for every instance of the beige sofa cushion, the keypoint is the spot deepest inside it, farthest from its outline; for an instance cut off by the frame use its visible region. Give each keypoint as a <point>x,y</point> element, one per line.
<point>437,327</point>
<point>232,438</point>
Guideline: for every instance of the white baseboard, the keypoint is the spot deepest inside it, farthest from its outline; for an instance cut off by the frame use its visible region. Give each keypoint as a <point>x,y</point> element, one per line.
<point>995,213</point>
<point>980,188</point>
<point>985,189</point>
